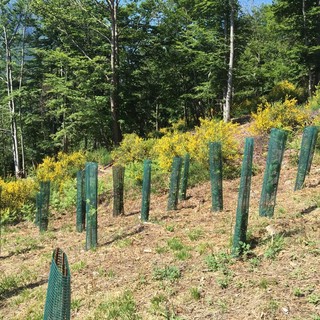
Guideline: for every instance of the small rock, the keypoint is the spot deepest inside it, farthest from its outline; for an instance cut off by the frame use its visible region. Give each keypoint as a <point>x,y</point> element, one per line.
<point>147,250</point>
<point>285,310</point>
<point>271,230</point>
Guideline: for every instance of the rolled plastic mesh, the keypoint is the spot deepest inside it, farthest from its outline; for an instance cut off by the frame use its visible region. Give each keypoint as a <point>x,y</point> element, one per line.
<point>146,188</point>
<point>272,172</point>
<point>243,198</point>
<point>174,184</point>
<point>91,204</point>
<point>44,205</point>
<point>58,298</point>
<point>185,177</point>
<point>81,202</point>
<point>215,161</point>
<point>308,145</point>
<point>118,185</point>
<point>38,208</point>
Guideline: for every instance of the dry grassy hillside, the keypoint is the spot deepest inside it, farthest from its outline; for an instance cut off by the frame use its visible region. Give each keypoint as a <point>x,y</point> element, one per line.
<point>178,266</point>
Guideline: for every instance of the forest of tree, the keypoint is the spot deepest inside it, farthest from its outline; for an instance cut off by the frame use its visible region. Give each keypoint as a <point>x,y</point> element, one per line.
<point>78,74</point>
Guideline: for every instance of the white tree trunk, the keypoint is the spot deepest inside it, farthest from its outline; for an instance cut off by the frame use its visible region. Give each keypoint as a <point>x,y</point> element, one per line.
<point>11,105</point>
<point>23,169</point>
<point>227,105</point>
<point>114,61</point>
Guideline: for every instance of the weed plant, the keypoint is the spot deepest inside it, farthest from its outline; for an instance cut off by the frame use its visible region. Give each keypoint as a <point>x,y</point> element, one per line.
<point>195,293</point>
<point>170,273</point>
<point>121,307</point>
<point>276,245</point>
<point>218,262</point>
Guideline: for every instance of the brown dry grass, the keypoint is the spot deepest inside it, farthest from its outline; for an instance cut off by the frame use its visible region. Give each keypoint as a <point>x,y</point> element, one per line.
<point>129,252</point>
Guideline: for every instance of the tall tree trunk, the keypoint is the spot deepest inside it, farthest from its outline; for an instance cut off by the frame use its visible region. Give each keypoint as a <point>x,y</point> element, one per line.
<point>227,106</point>
<point>305,40</point>
<point>11,105</point>
<point>64,74</point>
<point>157,117</point>
<point>114,59</point>
<point>23,169</point>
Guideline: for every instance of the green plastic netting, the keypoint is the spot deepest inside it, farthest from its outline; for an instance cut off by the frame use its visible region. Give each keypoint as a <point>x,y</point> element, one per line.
<point>91,205</point>
<point>146,188</point>
<point>174,184</point>
<point>44,205</point>
<point>272,172</point>
<point>118,186</point>
<point>215,162</point>
<point>308,145</point>
<point>242,215</point>
<point>185,177</point>
<point>81,202</point>
<point>57,306</point>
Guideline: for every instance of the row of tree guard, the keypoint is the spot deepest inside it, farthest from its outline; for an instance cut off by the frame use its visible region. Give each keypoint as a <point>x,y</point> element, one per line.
<point>58,293</point>
<point>87,185</point>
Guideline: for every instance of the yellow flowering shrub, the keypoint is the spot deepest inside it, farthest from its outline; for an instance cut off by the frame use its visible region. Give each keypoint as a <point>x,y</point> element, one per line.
<point>170,145</point>
<point>62,168</point>
<point>15,194</point>
<point>284,89</point>
<point>132,148</point>
<point>212,131</point>
<point>286,115</point>
<point>197,143</point>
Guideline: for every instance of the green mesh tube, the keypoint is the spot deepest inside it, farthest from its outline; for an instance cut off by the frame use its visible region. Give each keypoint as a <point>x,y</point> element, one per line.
<point>91,204</point>
<point>307,149</point>
<point>215,161</point>
<point>81,202</point>
<point>44,205</point>
<point>174,184</point>
<point>118,186</point>
<point>146,188</point>
<point>185,177</point>
<point>57,306</point>
<point>272,172</point>
<point>38,209</point>
<point>242,214</point>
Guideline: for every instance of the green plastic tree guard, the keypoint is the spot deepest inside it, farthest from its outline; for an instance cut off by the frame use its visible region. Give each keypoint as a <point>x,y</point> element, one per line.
<point>44,205</point>
<point>81,202</point>
<point>38,208</point>
<point>185,177</point>
<point>146,188</point>
<point>58,300</point>
<point>215,161</point>
<point>272,172</point>
<point>91,204</point>
<point>118,184</point>
<point>174,184</point>
<point>308,145</point>
<point>242,214</point>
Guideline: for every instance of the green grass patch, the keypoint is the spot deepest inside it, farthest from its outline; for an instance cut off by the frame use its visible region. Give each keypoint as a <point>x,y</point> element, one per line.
<point>170,273</point>
<point>121,307</point>
<point>276,245</point>
<point>195,234</point>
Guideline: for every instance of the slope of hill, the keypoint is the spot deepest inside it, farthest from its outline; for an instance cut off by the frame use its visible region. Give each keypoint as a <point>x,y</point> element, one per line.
<point>178,265</point>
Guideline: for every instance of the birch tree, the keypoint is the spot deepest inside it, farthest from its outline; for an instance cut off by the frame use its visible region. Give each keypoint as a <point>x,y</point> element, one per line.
<point>13,25</point>
<point>227,106</point>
